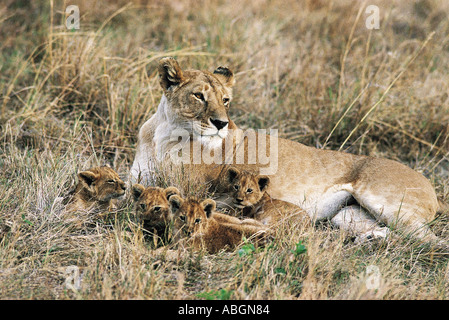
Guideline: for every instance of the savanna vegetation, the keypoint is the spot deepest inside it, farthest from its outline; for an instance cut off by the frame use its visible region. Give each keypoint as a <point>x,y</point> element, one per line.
<point>71,99</point>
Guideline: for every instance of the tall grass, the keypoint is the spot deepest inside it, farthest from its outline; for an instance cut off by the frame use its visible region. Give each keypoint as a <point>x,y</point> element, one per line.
<point>74,99</point>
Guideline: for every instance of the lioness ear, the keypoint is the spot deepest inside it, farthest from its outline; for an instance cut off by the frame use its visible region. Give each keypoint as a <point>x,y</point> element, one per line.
<point>88,177</point>
<point>170,74</point>
<point>209,206</point>
<point>175,203</point>
<point>232,174</point>
<point>225,76</point>
<point>137,191</point>
<point>264,181</point>
<point>170,191</point>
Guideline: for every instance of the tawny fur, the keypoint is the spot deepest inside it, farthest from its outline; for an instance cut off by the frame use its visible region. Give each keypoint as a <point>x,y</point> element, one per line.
<point>245,192</point>
<point>321,182</point>
<point>202,227</point>
<point>97,190</point>
<point>153,208</point>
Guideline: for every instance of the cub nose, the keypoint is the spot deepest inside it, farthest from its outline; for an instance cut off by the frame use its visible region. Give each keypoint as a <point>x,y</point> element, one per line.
<point>218,123</point>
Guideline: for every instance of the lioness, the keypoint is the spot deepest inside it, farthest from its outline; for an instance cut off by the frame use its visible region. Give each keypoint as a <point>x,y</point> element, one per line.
<point>151,206</point>
<point>321,182</point>
<point>210,230</point>
<point>97,190</point>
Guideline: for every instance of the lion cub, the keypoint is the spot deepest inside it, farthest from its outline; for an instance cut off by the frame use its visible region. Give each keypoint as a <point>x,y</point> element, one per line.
<point>247,193</point>
<point>210,230</point>
<point>152,206</point>
<point>98,189</point>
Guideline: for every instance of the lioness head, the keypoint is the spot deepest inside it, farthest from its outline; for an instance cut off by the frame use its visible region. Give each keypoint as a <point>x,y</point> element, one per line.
<point>191,215</point>
<point>151,204</point>
<point>100,184</point>
<point>198,101</point>
<point>245,188</point>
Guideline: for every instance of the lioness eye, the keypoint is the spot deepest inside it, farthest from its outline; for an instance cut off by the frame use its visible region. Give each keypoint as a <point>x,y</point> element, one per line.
<point>157,209</point>
<point>198,220</point>
<point>249,190</point>
<point>183,218</point>
<point>225,101</point>
<point>111,181</point>
<point>199,96</point>
<point>143,206</point>
<point>236,187</point>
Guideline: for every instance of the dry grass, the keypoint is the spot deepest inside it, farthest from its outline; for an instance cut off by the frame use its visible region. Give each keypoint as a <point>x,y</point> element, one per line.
<point>73,99</point>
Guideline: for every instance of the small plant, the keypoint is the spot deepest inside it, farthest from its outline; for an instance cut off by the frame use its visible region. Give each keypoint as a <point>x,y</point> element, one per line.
<point>221,294</point>
<point>246,250</point>
<point>300,249</point>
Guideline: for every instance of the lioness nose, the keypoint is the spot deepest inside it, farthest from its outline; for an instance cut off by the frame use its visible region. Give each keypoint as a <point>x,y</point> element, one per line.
<point>218,123</point>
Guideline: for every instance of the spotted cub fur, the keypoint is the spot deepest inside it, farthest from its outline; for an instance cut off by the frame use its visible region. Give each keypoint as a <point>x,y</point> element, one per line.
<point>97,190</point>
<point>207,229</point>
<point>153,208</point>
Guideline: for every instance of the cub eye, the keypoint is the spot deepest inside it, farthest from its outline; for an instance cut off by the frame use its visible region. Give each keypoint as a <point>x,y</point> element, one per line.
<point>249,190</point>
<point>197,220</point>
<point>199,96</point>
<point>157,209</point>
<point>182,218</point>
<point>143,206</point>
<point>226,101</point>
<point>236,187</point>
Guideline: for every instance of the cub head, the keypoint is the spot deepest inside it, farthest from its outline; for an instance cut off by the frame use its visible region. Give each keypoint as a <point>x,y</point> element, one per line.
<point>191,215</point>
<point>197,101</point>
<point>245,188</point>
<point>151,204</point>
<point>100,184</point>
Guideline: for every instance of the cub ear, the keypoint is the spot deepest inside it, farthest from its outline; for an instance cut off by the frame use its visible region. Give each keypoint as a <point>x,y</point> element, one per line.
<point>175,202</point>
<point>170,74</point>
<point>232,174</point>
<point>264,181</point>
<point>170,191</point>
<point>209,206</point>
<point>137,191</point>
<point>88,177</point>
<point>225,76</point>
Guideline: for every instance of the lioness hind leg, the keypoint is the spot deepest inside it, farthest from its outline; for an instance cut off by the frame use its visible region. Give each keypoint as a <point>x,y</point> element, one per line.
<point>331,202</point>
<point>399,212</point>
<point>359,223</point>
